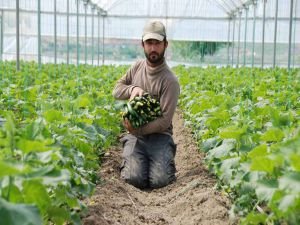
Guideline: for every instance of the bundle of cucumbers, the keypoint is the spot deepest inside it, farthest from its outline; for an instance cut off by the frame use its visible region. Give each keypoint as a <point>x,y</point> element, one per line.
<point>141,110</point>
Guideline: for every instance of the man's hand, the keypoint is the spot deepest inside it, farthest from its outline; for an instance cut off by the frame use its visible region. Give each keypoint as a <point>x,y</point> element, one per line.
<point>136,91</point>
<point>128,125</point>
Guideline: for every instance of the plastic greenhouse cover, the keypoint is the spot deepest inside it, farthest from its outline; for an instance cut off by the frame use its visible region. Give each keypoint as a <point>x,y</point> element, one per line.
<point>184,19</point>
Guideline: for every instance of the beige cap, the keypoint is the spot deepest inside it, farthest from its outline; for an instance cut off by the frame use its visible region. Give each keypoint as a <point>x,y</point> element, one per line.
<point>154,30</point>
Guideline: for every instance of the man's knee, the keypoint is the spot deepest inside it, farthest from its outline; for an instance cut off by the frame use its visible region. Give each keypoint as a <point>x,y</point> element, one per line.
<point>162,173</point>
<point>160,180</point>
<point>137,182</point>
<point>134,177</point>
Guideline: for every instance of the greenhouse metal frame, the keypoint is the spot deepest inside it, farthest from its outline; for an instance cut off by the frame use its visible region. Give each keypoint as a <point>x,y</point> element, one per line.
<point>69,80</point>
<point>82,31</point>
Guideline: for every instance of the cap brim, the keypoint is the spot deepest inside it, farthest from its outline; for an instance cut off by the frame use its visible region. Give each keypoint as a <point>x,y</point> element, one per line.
<point>153,36</point>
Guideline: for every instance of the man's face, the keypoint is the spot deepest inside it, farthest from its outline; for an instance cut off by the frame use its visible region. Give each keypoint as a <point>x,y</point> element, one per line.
<point>154,50</point>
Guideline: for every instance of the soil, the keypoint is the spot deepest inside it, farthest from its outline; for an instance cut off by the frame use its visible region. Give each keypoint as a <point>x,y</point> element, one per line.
<point>191,200</point>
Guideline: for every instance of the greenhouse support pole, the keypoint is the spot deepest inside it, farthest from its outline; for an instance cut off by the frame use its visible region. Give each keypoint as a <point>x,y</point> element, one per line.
<point>93,12</point>
<point>77,31</point>
<point>1,36</point>
<point>98,42</point>
<point>39,35</point>
<point>233,34</point>
<point>18,35</point>
<point>245,35</point>
<point>166,19</point>
<point>68,31</point>
<point>275,34</point>
<point>239,39</point>
<point>253,33</point>
<point>263,34</point>
<point>290,34</point>
<point>103,34</point>
<point>85,32</point>
<point>55,33</point>
<point>294,47</point>
<point>228,41</point>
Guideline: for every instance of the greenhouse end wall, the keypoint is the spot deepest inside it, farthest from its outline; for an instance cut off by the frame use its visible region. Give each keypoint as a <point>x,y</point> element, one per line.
<point>83,35</point>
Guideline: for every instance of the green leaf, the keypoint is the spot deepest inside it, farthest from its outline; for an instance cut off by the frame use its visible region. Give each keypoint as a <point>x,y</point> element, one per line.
<point>46,157</point>
<point>8,169</point>
<point>209,143</point>
<point>59,215</point>
<point>232,132</point>
<point>254,219</point>
<point>66,196</point>
<point>56,177</point>
<point>262,163</point>
<point>84,187</point>
<point>39,172</point>
<point>265,189</point>
<point>35,130</point>
<point>75,218</point>
<point>290,182</point>
<point>222,150</point>
<point>91,132</point>
<point>273,135</point>
<point>213,123</point>
<point>83,146</point>
<point>49,175</point>
<point>288,201</point>
<point>16,214</point>
<point>53,115</point>
<point>9,124</point>
<point>260,150</point>
<point>33,146</point>
<point>195,108</point>
<point>228,167</point>
<point>35,192</point>
<point>12,192</point>
<point>281,119</point>
<point>82,102</point>
<point>295,159</point>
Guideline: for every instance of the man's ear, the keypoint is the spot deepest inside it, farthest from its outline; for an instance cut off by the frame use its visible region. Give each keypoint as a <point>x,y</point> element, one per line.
<point>166,44</point>
<point>142,43</point>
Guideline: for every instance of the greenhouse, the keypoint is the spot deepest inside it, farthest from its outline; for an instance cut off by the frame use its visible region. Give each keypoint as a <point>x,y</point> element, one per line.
<point>244,33</point>
<point>227,102</point>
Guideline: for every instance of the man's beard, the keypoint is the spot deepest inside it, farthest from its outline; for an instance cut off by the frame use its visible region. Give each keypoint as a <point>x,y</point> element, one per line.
<point>155,57</point>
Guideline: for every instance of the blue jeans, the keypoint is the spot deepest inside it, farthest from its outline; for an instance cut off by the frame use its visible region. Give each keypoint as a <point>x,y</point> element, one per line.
<point>148,161</point>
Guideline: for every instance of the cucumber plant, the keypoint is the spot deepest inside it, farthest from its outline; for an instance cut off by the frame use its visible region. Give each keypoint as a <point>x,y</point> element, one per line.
<point>141,110</point>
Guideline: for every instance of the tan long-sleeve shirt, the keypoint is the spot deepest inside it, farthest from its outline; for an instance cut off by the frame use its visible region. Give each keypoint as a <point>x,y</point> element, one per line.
<point>161,83</point>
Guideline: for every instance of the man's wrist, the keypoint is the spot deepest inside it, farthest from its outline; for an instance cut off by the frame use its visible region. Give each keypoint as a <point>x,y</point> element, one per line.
<point>131,89</point>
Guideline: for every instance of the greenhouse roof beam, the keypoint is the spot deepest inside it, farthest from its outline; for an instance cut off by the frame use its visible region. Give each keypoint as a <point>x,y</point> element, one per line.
<point>227,9</point>
<point>85,2</point>
<point>114,3</point>
<point>233,3</point>
<point>222,7</point>
<point>99,9</point>
<point>237,6</point>
<point>169,17</point>
<point>106,4</point>
<point>230,9</point>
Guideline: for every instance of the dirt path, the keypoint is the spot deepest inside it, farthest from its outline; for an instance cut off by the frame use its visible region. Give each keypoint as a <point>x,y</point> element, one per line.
<point>190,200</point>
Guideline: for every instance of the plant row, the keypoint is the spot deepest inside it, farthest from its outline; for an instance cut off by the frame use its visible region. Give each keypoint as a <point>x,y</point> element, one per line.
<point>55,123</point>
<point>248,123</point>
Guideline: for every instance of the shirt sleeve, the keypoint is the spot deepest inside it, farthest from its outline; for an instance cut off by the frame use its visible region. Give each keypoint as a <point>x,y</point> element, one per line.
<point>168,104</point>
<point>124,86</point>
